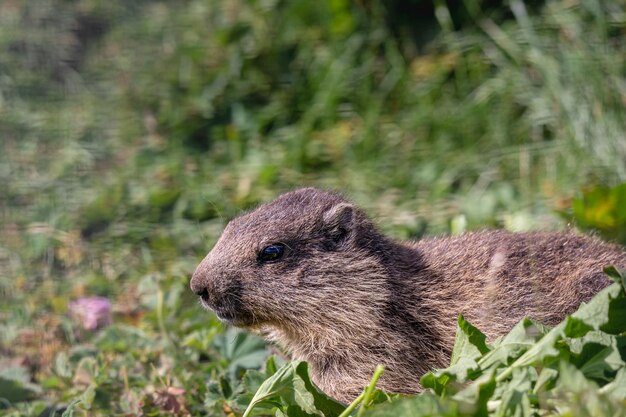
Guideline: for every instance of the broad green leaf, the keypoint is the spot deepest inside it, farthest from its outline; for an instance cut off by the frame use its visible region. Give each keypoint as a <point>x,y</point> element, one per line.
<point>242,350</point>
<point>121,338</point>
<point>15,384</point>
<point>321,401</point>
<point>616,274</point>
<point>451,380</point>
<point>469,342</point>
<point>545,380</point>
<point>522,337</point>
<point>236,343</point>
<point>515,394</point>
<point>217,391</point>
<point>292,385</point>
<point>69,411</point>
<point>62,365</point>
<point>271,366</point>
<point>436,380</point>
<point>87,397</point>
<point>475,397</point>
<point>593,315</point>
<point>469,345</point>
<point>419,405</point>
<point>13,390</point>
<point>616,388</point>
<point>596,313</point>
<point>543,349</point>
<point>575,327</point>
<point>598,361</point>
<point>200,340</point>
<point>616,323</point>
<point>572,379</point>
<point>85,401</point>
<point>250,384</point>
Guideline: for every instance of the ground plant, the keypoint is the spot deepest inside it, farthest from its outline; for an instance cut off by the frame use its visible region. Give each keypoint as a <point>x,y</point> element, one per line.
<point>132,132</point>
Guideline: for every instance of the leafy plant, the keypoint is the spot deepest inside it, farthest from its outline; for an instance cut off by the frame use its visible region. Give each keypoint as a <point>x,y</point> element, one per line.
<point>602,209</point>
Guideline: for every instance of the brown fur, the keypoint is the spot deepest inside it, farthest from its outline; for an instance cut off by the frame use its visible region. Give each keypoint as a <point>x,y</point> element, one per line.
<point>345,298</point>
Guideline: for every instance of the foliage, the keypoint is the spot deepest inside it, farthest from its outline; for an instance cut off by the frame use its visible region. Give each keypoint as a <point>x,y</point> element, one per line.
<point>601,209</point>
<point>130,132</point>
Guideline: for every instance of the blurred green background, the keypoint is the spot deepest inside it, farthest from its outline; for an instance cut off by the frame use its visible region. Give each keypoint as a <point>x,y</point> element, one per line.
<point>131,132</point>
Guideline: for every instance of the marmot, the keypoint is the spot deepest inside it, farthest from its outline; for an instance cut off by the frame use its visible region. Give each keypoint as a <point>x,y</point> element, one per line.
<point>310,271</point>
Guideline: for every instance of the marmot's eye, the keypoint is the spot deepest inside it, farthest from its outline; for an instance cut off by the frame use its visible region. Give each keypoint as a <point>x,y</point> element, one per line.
<point>272,253</point>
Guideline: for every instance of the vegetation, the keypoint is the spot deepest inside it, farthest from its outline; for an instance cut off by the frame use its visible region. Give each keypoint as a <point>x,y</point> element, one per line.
<point>131,132</point>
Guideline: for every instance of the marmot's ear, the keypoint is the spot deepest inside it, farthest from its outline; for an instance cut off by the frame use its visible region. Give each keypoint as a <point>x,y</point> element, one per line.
<point>339,222</point>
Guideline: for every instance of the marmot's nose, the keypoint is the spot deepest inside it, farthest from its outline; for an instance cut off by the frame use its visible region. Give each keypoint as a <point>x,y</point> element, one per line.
<point>198,283</point>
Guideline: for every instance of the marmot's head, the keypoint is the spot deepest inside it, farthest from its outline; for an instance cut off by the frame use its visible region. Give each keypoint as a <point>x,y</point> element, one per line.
<point>308,255</point>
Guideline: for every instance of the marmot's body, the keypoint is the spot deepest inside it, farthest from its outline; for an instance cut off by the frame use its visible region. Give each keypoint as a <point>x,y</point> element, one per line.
<point>310,271</point>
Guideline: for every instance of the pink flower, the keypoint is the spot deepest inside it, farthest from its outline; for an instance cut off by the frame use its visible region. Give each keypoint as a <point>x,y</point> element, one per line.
<point>92,312</point>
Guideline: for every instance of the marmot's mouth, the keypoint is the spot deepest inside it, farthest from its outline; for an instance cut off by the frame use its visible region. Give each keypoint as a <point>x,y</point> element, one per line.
<point>233,318</point>
<point>226,316</point>
<point>228,312</point>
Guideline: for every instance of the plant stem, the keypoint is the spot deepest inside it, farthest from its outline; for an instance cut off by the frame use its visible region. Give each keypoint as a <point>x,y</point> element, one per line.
<point>160,318</point>
<point>365,396</point>
<point>352,405</point>
<point>369,390</point>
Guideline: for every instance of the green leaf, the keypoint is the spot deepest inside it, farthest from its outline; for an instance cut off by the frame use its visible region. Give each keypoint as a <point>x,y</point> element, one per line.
<point>62,365</point>
<point>87,397</point>
<point>575,327</point>
<point>85,401</point>
<point>616,274</point>
<point>616,323</point>
<point>598,312</point>
<point>521,338</point>
<point>250,384</point>
<point>200,340</point>
<point>616,388</point>
<point>435,380</point>
<point>292,385</point>
<point>469,345</point>
<point>271,366</point>
<point>545,380</point>
<point>469,342</point>
<point>69,411</point>
<point>14,390</point>
<point>602,209</point>
<point>475,397</point>
<point>592,315</point>
<point>121,338</point>
<point>515,398</point>
<point>242,350</point>
<point>274,386</point>
<point>450,380</point>
<point>598,361</point>
<point>15,384</point>
<point>572,379</point>
<point>420,405</point>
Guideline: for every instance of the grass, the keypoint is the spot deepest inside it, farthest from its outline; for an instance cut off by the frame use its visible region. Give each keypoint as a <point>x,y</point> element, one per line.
<point>131,133</point>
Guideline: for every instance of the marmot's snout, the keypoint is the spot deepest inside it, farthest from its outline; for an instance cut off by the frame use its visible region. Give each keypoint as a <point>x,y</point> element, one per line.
<point>222,296</point>
<point>198,283</point>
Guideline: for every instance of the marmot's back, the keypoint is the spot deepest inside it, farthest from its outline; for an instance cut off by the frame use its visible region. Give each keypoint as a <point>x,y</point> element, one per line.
<point>501,277</point>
